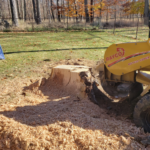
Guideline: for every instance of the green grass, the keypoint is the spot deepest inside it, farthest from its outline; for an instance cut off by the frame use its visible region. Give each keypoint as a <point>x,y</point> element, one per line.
<point>27,50</point>
<point>131,32</point>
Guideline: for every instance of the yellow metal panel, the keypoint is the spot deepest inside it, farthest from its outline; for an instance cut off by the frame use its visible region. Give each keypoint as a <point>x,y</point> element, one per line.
<point>146,90</point>
<point>116,78</point>
<point>123,58</point>
<point>146,69</point>
<point>129,77</point>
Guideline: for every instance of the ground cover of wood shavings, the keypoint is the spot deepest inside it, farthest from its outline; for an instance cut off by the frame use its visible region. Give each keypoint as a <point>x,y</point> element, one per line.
<point>45,117</point>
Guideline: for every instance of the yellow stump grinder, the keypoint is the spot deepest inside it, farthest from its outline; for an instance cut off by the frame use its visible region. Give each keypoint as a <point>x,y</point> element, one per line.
<point>125,72</point>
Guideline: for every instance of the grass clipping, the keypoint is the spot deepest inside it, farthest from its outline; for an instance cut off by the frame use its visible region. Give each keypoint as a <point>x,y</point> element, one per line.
<point>44,117</point>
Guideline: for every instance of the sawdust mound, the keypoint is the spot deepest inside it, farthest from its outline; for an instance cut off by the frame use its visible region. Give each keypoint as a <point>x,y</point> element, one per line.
<point>43,116</point>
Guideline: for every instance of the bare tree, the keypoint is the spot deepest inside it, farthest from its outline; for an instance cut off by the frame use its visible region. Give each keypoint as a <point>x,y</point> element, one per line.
<point>58,12</point>
<point>36,10</point>
<point>18,9</point>
<point>43,7</point>
<point>0,10</point>
<point>107,15</point>
<point>14,13</point>
<point>52,10</point>
<point>9,10</point>
<point>100,17</point>
<point>75,4</point>
<point>48,11</point>
<point>22,4</point>
<point>25,10</point>
<point>92,12</point>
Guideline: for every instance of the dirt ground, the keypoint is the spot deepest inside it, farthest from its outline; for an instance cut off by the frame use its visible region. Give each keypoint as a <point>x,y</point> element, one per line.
<point>38,115</point>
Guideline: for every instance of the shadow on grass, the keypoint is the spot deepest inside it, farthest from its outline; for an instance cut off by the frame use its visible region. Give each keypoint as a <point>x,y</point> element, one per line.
<point>95,36</point>
<point>126,30</point>
<point>55,50</point>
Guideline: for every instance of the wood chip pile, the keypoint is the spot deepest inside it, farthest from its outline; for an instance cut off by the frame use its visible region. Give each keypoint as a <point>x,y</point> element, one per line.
<point>45,117</point>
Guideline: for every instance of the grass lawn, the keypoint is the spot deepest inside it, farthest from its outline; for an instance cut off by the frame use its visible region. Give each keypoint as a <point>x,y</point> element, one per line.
<point>131,32</point>
<point>27,50</point>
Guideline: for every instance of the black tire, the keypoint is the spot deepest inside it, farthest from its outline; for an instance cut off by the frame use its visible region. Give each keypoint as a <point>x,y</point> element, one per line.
<point>142,113</point>
<point>136,90</point>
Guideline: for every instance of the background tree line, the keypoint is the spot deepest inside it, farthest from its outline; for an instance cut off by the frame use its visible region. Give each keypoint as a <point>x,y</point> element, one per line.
<point>59,10</point>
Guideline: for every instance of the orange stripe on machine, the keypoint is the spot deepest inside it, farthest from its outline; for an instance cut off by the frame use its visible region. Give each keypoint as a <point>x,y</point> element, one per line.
<point>131,56</point>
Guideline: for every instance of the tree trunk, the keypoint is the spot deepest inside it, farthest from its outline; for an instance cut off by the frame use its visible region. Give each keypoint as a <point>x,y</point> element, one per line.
<point>34,10</point>
<point>28,10</point>
<point>63,11</point>
<point>0,11</point>
<point>14,13</point>
<point>38,12</point>
<point>76,10</point>
<point>100,18</point>
<point>22,4</point>
<point>9,10</point>
<point>52,10</point>
<point>107,16</point>
<point>91,17</point>
<point>86,11</point>
<point>48,11</point>
<point>137,27</point>
<point>43,9</point>
<point>58,12</point>
<point>76,14</point>
<point>67,14</point>
<point>18,9</point>
<point>120,20</point>
<point>114,22</point>
<point>61,14</point>
<point>25,10</point>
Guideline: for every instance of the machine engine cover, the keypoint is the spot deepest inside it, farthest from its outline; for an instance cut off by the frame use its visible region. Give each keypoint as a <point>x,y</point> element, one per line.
<point>123,58</point>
